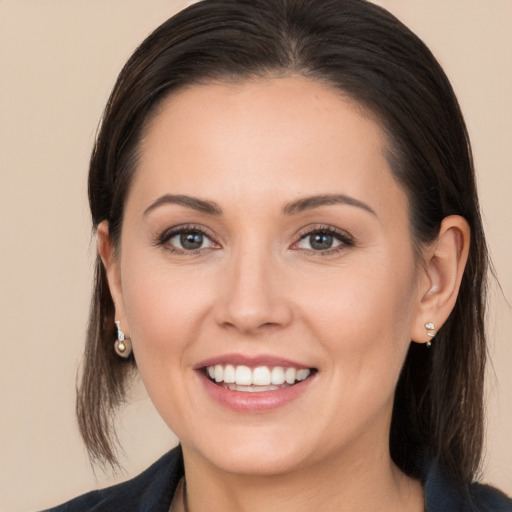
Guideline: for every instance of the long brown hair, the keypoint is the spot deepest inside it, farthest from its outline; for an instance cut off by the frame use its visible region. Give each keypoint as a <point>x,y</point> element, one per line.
<point>362,50</point>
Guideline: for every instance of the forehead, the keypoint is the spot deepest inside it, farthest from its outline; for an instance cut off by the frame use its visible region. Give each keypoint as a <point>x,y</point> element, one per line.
<point>292,135</point>
<point>292,108</point>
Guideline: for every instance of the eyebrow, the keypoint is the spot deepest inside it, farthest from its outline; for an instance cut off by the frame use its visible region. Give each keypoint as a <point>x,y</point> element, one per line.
<point>199,205</point>
<point>308,203</point>
<point>300,205</point>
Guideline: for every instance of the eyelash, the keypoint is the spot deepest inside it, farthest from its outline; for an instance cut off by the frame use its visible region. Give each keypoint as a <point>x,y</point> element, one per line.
<point>166,236</point>
<point>345,239</point>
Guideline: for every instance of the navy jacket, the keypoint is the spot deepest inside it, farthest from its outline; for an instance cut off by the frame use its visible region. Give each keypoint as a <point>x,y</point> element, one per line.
<point>153,490</point>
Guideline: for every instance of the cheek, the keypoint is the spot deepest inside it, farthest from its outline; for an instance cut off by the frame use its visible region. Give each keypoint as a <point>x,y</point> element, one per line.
<point>363,316</point>
<point>164,310</point>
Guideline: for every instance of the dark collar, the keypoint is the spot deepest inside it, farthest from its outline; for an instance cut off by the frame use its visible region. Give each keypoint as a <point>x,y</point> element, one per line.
<point>443,494</point>
<point>153,491</point>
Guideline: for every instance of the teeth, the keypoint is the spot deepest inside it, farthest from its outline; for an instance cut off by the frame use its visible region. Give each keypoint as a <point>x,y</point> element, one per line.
<point>243,378</point>
<point>302,374</point>
<point>289,375</point>
<point>261,376</point>
<point>250,389</point>
<point>277,375</point>
<point>229,374</point>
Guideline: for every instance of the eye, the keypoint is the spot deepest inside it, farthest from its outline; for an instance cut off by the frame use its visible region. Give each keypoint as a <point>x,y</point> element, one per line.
<point>320,241</point>
<point>324,240</point>
<point>189,240</point>
<point>186,239</point>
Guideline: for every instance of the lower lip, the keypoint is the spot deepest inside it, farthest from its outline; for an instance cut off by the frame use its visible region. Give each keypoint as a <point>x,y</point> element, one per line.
<point>257,401</point>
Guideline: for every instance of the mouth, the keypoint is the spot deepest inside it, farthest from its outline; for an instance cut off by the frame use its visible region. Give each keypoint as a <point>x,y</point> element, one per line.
<point>258,379</point>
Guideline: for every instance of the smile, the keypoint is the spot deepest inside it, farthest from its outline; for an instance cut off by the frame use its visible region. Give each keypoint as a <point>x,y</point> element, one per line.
<point>258,379</point>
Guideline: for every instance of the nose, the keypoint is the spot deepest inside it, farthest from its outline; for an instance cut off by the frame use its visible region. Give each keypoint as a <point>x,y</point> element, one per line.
<point>253,297</point>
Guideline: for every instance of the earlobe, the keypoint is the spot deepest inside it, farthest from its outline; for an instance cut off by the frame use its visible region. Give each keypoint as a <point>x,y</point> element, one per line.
<point>112,269</point>
<point>443,268</point>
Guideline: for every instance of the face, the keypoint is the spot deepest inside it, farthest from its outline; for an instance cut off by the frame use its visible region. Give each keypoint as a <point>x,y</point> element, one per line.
<point>266,275</point>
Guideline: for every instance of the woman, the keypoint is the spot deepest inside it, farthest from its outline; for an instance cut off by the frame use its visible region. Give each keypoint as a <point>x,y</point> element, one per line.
<point>290,253</point>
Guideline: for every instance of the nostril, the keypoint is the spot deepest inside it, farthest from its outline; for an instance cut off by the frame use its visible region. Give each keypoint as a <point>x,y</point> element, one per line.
<point>251,302</point>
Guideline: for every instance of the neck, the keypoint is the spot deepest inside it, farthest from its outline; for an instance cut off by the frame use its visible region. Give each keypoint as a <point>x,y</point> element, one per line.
<point>341,482</point>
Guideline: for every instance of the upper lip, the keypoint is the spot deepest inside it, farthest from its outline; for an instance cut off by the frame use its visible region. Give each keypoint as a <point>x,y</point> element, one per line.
<point>250,361</point>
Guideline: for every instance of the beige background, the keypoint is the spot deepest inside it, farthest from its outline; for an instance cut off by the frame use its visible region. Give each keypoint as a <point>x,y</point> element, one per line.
<point>58,61</point>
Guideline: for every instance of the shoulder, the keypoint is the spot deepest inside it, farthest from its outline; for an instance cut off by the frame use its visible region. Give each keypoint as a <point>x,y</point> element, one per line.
<point>152,490</point>
<point>487,498</point>
<point>442,495</point>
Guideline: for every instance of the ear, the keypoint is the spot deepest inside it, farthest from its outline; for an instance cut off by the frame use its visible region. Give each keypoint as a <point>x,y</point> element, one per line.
<point>441,275</point>
<point>113,270</point>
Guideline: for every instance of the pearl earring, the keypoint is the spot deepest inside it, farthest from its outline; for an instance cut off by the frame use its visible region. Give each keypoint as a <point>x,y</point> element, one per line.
<point>122,345</point>
<point>431,331</point>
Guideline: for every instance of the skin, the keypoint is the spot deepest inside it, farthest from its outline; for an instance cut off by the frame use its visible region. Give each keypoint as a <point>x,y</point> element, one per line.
<point>258,287</point>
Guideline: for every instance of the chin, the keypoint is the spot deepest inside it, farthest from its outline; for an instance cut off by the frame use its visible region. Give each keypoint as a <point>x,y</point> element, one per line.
<point>255,454</point>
